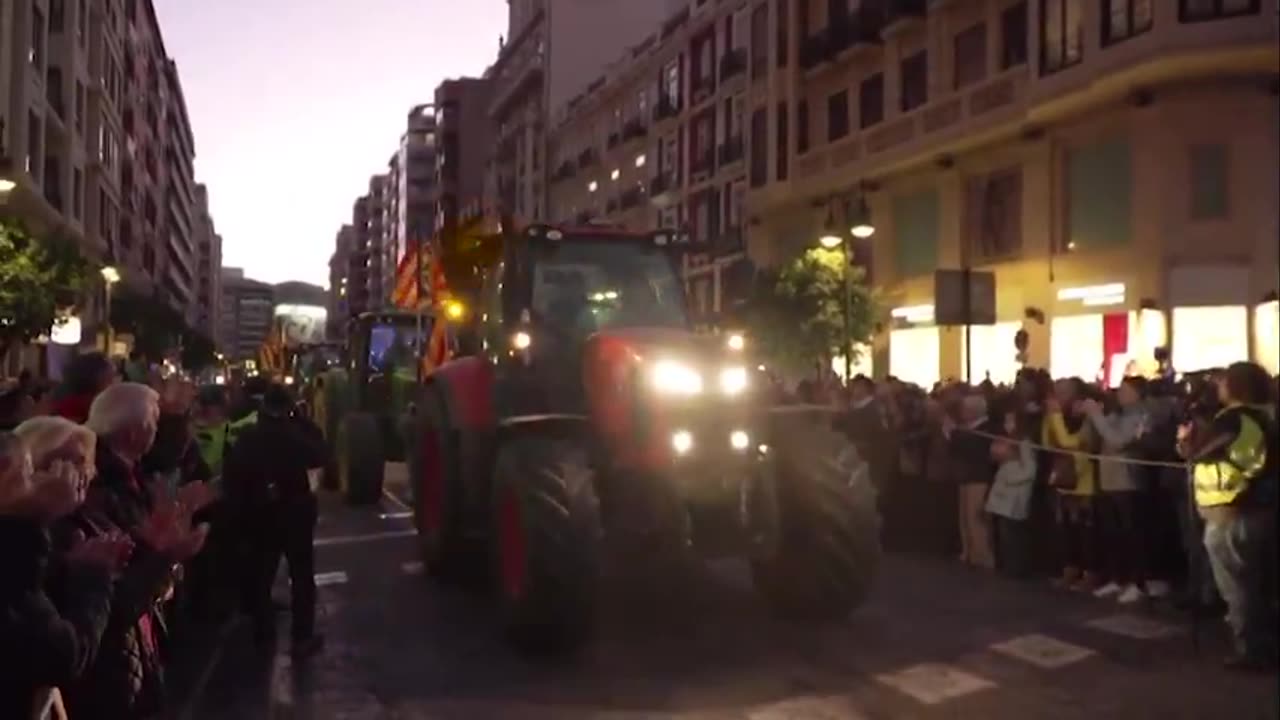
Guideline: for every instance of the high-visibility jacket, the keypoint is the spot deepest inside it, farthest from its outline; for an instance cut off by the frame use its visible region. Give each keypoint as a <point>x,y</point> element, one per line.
<point>1222,478</point>
<point>235,429</point>
<point>212,441</point>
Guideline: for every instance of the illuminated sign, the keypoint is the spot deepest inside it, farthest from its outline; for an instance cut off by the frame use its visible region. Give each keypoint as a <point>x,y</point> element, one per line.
<point>298,325</point>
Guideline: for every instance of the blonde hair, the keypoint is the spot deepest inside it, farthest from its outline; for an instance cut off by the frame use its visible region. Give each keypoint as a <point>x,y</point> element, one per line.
<point>46,434</point>
<point>120,405</point>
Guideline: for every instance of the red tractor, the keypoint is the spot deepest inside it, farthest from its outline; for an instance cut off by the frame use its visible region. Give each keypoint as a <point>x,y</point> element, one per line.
<point>590,420</point>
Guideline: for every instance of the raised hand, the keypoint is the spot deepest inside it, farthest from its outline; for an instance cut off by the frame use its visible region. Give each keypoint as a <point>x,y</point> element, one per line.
<point>195,496</point>
<point>109,553</point>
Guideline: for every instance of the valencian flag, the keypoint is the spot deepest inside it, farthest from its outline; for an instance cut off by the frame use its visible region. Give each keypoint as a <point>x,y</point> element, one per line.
<point>420,285</point>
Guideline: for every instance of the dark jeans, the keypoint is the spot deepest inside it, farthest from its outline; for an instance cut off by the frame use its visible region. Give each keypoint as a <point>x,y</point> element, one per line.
<point>1077,529</point>
<point>1242,554</point>
<point>287,531</point>
<point>1015,549</point>
<point>1121,520</point>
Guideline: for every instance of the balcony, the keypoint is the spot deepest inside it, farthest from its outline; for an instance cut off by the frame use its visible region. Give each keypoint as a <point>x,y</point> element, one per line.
<point>733,64</point>
<point>612,204</point>
<point>728,242</point>
<point>587,158</point>
<point>662,185</point>
<point>859,28</point>
<point>703,88</point>
<point>815,50</point>
<point>899,15</point>
<point>666,109</point>
<point>565,171</point>
<point>704,162</point>
<point>731,151</point>
<point>614,140</point>
<point>631,198</point>
<point>582,218</point>
<point>634,129</point>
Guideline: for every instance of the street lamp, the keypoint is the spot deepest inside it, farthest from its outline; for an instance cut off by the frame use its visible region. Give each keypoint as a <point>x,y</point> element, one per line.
<point>832,238</point>
<point>110,276</point>
<point>861,219</point>
<point>831,235</point>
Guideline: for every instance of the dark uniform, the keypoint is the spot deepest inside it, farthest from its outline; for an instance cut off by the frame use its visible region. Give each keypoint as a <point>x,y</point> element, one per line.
<point>266,481</point>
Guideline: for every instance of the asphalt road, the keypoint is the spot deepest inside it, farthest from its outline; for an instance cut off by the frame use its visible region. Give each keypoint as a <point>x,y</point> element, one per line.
<point>936,641</point>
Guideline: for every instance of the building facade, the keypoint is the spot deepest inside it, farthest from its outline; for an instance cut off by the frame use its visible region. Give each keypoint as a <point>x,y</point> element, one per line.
<point>410,206</point>
<point>554,49</point>
<point>1078,155</point>
<point>208,269</point>
<point>247,312</point>
<point>340,272</point>
<point>464,137</point>
<point>178,225</point>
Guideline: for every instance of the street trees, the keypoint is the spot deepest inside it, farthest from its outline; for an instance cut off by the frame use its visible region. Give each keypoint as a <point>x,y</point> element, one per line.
<point>40,281</point>
<point>796,314</point>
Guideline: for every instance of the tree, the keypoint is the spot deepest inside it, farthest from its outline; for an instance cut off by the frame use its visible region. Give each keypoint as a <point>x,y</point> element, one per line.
<point>156,328</point>
<point>41,281</point>
<point>796,314</point>
<point>198,351</point>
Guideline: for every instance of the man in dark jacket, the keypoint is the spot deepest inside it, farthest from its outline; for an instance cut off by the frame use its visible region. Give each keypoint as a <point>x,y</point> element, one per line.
<point>267,485</point>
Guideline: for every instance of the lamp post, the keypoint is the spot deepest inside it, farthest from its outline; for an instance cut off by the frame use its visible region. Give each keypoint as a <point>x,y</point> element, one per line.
<point>833,236</point>
<point>110,276</point>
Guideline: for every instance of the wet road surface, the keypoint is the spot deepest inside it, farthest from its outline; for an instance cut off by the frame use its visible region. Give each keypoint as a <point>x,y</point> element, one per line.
<point>935,641</point>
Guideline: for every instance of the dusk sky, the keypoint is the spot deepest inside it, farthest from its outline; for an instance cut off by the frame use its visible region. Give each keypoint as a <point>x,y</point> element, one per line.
<point>295,103</point>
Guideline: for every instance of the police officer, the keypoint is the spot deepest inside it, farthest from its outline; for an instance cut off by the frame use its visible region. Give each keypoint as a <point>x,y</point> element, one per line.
<point>267,483</point>
<point>1235,461</point>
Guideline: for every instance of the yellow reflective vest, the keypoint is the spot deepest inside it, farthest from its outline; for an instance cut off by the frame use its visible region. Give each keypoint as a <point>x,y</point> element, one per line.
<point>1221,479</point>
<point>212,440</point>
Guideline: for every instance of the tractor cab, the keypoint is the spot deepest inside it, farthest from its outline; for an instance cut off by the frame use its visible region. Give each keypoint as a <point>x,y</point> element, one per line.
<point>384,350</point>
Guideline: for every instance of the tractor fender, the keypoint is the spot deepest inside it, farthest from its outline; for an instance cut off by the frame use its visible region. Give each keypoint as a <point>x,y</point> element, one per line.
<point>467,385</point>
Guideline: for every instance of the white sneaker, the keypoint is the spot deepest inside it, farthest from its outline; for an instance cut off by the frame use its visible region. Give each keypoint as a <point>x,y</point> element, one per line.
<point>1107,590</point>
<point>1158,588</point>
<point>1131,594</point>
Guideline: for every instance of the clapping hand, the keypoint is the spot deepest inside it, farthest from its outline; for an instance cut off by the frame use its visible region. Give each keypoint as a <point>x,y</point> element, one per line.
<point>109,553</point>
<point>195,496</point>
<point>168,530</point>
<point>1090,407</point>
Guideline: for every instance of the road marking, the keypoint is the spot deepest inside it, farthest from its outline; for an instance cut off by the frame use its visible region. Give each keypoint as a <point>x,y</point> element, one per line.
<point>411,568</point>
<point>396,501</point>
<point>934,683</point>
<point>1043,651</point>
<point>1133,626</point>
<point>809,708</point>
<point>331,578</point>
<point>352,539</point>
<point>395,516</point>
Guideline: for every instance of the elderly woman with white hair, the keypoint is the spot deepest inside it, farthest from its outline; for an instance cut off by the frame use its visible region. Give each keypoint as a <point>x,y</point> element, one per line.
<point>44,467</point>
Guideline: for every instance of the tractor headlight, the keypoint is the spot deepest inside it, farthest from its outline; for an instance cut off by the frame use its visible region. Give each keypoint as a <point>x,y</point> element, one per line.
<point>673,378</point>
<point>733,380</point>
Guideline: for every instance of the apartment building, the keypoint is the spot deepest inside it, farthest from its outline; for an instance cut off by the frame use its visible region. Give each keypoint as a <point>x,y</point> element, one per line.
<point>464,136</point>
<point>339,305</point>
<point>381,269</point>
<point>553,49</point>
<point>657,141</point>
<point>1111,163</point>
<point>208,269</point>
<point>182,269</point>
<point>411,178</point>
<point>247,313</point>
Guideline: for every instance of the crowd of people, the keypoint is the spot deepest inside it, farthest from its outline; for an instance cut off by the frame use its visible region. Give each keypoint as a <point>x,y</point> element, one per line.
<point>1150,490</point>
<point>132,509</point>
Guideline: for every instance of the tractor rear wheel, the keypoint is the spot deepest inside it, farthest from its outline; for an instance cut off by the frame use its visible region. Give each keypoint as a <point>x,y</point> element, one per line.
<point>360,459</point>
<point>828,548</point>
<point>437,502</point>
<point>545,539</point>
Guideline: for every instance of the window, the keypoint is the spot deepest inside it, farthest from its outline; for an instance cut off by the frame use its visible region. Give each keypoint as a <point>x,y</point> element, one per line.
<point>993,214</point>
<point>837,116</point>
<point>1198,10</point>
<point>871,101</point>
<point>915,81</point>
<point>1209,182</point>
<point>971,56</point>
<point>782,134</point>
<point>36,52</point>
<point>34,129</point>
<point>77,193</point>
<point>1123,19</point>
<point>57,16</point>
<point>80,103</point>
<point>1013,36</point>
<point>1061,34</point>
<point>671,83</point>
<point>759,148</point>
<point>784,39</point>
<point>1099,190</point>
<point>759,41</point>
<point>802,127</point>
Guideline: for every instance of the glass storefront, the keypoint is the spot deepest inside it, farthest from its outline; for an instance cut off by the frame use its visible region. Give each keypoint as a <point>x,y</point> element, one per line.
<point>1266,336</point>
<point>994,353</point>
<point>915,355</point>
<point>1209,337</point>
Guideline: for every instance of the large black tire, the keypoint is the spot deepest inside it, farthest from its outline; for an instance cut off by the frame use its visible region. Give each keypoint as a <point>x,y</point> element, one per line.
<point>360,459</point>
<point>828,547</point>
<point>434,479</point>
<point>545,542</point>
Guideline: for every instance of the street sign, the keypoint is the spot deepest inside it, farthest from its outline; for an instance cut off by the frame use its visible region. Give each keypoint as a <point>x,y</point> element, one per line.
<point>964,297</point>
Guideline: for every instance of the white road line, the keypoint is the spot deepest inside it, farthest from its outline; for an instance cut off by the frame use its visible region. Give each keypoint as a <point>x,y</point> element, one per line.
<point>1134,626</point>
<point>395,516</point>
<point>1043,651</point>
<point>934,683</point>
<point>331,578</point>
<point>353,539</point>
<point>411,568</point>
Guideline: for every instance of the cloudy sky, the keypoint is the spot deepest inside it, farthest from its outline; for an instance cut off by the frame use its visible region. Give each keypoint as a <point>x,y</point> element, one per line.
<point>295,103</point>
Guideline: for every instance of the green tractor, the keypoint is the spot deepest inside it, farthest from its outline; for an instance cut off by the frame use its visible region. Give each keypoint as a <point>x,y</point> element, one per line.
<point>364,404</point>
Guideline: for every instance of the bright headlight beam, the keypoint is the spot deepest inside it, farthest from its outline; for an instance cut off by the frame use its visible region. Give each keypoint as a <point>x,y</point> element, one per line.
<point>733,380</point>
<point>676,378</point>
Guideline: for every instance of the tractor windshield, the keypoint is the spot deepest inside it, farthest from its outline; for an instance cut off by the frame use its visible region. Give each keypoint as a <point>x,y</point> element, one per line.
<point>395,345</point>
<point>582,286</point>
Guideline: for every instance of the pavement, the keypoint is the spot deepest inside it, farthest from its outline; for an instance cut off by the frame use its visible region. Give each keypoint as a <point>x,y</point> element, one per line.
<point>935,641</point>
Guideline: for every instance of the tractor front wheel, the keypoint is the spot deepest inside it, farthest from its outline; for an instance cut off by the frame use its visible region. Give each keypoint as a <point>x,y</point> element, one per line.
<point>437,502</point>
<point>545,537</point>
<point>828,549</point>
<point>360,459</point>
